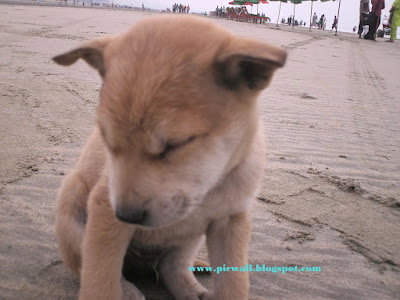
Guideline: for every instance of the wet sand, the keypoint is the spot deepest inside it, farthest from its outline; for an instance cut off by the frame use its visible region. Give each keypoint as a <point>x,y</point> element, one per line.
<point>331,190</point>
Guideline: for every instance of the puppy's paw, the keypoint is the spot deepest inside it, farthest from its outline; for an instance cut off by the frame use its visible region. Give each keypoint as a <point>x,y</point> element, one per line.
<point>206,296</point>
<point>130,291</point>
<point>201,295</point>
<point>198,265</point>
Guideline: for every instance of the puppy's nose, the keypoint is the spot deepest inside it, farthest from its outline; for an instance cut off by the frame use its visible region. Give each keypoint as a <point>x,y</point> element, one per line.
<point>137,216</point>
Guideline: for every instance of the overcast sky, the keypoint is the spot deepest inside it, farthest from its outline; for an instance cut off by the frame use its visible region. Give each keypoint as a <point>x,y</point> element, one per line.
<point>349,12</point>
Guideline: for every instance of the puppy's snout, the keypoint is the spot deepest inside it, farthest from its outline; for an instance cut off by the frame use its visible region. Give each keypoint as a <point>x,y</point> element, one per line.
<point>132,216</point>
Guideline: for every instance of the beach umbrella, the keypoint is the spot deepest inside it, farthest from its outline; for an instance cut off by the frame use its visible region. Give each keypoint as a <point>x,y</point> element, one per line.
<point>279,13</point>
<point>311,10</point>
<point>338,12</point>
<point>300,1</point>
<point>251,2</point>
<point>294,9</point>
<point>240,2</point>
<point>257,2</point>
<point>263,2</point>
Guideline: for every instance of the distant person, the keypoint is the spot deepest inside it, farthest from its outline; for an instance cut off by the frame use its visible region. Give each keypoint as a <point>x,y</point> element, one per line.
<point>188,9</point>
<point>394,20</point>
<point>322,22</point>
<point>314,20</point>
<point>364,9</point>
<point>377,6</point>
<point>334,25</point>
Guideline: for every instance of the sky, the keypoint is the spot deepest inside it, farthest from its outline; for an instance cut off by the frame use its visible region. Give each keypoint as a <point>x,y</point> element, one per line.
<point>348,18</point>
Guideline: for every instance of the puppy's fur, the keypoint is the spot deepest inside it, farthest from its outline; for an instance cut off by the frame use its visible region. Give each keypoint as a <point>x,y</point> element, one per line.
<point>177,154</point>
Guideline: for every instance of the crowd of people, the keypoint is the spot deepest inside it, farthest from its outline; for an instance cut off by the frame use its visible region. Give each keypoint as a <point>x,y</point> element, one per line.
<point>220,11</point>
<point>240,13</point>
<point>180,8</point>
<point>291,21</point>
<point>321,22</point>
<point>372,18</point>
<point>394,20</point>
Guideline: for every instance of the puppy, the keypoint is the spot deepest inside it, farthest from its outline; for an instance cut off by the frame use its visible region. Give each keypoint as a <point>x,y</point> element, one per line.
<point>177,154</point>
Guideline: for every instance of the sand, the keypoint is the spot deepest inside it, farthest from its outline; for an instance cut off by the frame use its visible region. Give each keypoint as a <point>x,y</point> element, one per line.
<point>331,193</point>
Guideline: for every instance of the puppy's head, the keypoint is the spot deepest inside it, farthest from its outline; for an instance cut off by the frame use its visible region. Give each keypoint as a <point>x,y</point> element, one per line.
<point>177,111</point>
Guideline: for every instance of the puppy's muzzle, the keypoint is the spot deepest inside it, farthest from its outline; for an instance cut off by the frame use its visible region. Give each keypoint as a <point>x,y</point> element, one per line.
<point>132,216</point>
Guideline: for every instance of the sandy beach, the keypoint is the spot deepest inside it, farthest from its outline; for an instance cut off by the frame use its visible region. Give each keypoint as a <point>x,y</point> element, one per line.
<point>331,192</point>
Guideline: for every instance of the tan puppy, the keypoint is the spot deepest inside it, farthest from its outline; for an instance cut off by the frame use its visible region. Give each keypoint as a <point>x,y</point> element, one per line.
<point>177,154</point>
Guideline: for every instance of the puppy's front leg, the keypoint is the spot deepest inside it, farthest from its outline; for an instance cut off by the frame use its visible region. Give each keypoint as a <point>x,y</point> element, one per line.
<point>104,246</point>
<point>227,243</point>
<point>175,273</point>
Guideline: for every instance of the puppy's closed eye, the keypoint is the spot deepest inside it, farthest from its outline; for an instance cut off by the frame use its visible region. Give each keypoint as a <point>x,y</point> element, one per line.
<point>173,145</point>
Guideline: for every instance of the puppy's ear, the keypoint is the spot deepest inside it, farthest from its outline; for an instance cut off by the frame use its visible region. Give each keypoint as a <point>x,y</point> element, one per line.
<point>247,63</point>
<point>91,52</point>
